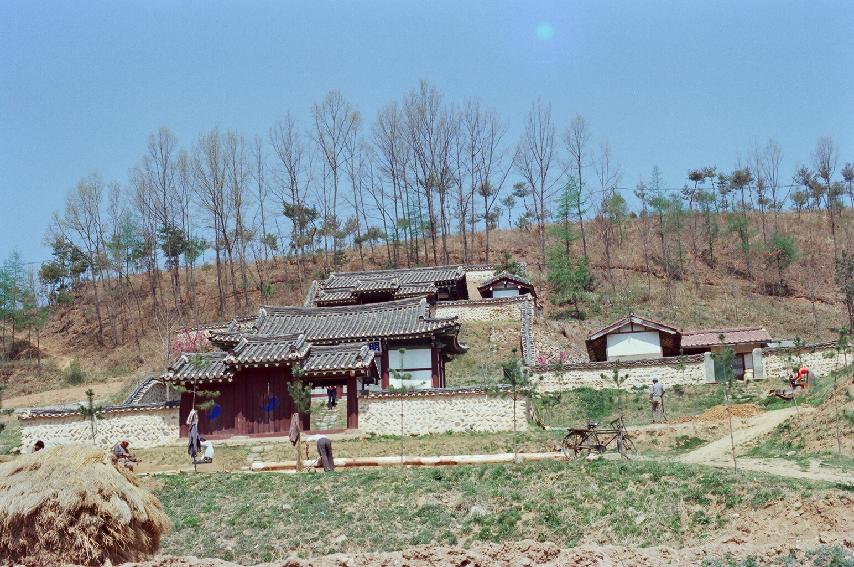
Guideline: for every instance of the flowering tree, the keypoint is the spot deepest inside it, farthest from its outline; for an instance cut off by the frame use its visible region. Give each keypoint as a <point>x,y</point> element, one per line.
<point>189,340</point>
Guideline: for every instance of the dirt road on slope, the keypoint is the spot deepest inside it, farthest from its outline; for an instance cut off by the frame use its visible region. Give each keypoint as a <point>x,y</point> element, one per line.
<point>719,453</point>
<point>71,395</point>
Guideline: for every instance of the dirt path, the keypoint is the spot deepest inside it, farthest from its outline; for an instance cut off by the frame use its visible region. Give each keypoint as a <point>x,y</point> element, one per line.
<point>61,396</point>
<point>744,431</point>
<point>719,454</point>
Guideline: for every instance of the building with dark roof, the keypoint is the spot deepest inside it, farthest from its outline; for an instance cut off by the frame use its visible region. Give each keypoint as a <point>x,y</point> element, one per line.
<point>351,347</point>
<point>434,283</point>
<point>634,338</point>
<point>505,284</point>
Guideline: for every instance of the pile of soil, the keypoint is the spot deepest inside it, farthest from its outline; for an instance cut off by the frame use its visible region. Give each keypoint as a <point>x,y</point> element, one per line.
<point>719,413</point>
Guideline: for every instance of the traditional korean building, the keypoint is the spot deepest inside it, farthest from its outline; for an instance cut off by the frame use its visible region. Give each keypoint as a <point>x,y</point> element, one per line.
<point>741,340</point>
<point>634,337</point>
<point>439,283</point>
<point>505,284</point>
<point>374,346</point>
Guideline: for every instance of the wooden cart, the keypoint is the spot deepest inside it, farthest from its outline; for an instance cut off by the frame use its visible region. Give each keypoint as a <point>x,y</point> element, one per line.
<point>581,442</point>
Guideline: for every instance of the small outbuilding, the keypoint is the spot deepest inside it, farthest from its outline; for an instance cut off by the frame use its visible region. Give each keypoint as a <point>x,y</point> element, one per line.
<point>505,284</point>
<point>633,338</point>
<point>742,340</point>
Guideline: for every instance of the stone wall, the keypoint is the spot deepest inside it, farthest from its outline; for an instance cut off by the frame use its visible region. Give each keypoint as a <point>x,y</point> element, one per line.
<point>438,411</point>
<point>148,427</point>
<point>501,309</point>
<point>638,373</point>
<point>777,363</point>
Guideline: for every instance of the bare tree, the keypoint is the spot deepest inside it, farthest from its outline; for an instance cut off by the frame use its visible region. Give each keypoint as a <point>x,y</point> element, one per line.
<point>82,221</point>
<point>158,168</point>
<point>334,121</point>
<point>210,174</point>
<point>429,137</point>
<point>238,174</point>
<point>825,158</point>
<point>772,157</point>
<point>389,142</point>
<point>292,184</point>
<point>609,176</point>
<point>576,138</point>
<point>533,160</point>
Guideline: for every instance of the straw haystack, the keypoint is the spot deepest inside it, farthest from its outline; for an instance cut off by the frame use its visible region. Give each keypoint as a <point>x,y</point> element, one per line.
<point>70,504</point>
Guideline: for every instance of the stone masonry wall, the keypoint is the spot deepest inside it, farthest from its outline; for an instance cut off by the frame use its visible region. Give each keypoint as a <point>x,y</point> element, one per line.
<point>777,363</point>
<point>433,412</point>
<point>501,309</point>
<point>146,428</point>
<point>599,375</point>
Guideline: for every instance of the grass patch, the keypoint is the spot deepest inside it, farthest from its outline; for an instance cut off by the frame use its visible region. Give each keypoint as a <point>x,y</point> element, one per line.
<point>10,434</point>
<point>577,406</point>
<point>266,517</point>
<point>490,343</point>
<point>229,457</point>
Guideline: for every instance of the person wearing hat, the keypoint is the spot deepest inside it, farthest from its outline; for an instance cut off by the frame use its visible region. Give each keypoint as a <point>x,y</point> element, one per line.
<point>656,401</point>
<point>38,446</point>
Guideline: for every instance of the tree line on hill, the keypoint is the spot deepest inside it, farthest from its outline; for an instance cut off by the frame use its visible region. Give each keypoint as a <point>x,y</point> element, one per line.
<point>425,175</point>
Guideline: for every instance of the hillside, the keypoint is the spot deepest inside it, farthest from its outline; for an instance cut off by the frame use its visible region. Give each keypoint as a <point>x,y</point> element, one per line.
<point>719,295</point>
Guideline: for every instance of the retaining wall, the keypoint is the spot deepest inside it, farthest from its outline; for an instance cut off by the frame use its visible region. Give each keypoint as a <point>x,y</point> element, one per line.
<point>694,369</point>
<point>143,427</point>
<point>438,411</point>
<point>500,309</point>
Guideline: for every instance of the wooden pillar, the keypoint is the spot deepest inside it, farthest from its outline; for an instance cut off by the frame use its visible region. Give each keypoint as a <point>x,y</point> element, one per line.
<point>384,364</point>
<point>352,404</point>
<point>434,365</point>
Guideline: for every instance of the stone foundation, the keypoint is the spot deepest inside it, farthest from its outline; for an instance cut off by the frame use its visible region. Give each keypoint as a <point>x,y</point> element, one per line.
<point>149,427</point>
<point>638,373</point>
<point>439,411</point>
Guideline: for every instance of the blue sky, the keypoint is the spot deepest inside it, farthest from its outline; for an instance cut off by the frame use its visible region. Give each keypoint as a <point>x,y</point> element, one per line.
<point>677,84</point>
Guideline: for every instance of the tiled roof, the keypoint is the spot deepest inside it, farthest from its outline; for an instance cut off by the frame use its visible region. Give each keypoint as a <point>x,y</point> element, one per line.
<point>345,287</point>
<point>397,319</point>
<point>65,412</point>
<point>255,349</point>
<point>199,366</point>
<point>322,359</point>
<point>428,274</point>
<point>710,337</point>
<point>333,295</point>
<point>381,284</point>
<point>632,318</point>
<point>505,276</point>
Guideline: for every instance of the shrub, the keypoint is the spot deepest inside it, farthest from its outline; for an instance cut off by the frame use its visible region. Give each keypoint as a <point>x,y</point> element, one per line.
<point>74,374</point>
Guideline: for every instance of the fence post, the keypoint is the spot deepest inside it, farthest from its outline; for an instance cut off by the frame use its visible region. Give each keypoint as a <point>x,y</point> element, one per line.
<point>758,365</point>
<point>709,367</point>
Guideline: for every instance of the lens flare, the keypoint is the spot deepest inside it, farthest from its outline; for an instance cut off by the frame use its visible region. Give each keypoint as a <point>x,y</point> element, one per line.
<point>545,31</point>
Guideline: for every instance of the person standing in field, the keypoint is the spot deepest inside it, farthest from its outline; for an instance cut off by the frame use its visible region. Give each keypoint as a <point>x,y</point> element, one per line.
<point>656,401</point>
